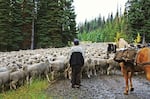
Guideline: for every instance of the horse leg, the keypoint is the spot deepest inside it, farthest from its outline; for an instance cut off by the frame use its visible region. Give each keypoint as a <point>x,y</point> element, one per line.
<point>126,81</point>
<point>125,74</point>
<point>130,79</point>
<point>147,72</point>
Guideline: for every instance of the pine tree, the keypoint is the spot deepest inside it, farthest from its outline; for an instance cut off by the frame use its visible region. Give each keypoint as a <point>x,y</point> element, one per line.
<point>56,23</point>
<point>138,17</point>
<point>69,28</point>
<point>48,27</point>
<point>4,25</point>
<point>27,16</point>
<point>16,25</point>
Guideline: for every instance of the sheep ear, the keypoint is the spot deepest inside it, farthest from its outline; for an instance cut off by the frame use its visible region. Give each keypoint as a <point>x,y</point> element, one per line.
<point>47,61</point>
<point>25,67</point>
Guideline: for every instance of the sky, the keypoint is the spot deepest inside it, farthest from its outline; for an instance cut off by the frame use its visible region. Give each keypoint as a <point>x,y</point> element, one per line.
<point>90,9</point>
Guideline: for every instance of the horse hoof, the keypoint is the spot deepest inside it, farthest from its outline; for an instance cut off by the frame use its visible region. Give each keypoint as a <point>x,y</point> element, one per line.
<point>126,93</point>
<point>132,89</point>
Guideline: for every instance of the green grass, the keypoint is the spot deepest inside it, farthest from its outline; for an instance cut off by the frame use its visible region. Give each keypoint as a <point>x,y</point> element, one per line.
<point>34,91</point>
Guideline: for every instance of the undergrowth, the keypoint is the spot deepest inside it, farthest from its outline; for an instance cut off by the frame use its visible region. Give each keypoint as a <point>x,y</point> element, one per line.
<point>33,91</point>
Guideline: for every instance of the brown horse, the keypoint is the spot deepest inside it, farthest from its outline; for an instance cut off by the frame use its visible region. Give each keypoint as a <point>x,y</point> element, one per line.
<point>132,61</point>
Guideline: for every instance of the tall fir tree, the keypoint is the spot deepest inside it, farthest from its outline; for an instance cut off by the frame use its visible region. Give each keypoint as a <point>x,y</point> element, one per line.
<point>56,23</point>
<point>27,16</point>
<point>138,18</point>
<point>16,22</point>
<point>51,23</point>
<point>68,24</point>
<point>5,39</point>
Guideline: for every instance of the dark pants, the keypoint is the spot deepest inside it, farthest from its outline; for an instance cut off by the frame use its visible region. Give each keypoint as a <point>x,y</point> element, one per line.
<point>76,75</point>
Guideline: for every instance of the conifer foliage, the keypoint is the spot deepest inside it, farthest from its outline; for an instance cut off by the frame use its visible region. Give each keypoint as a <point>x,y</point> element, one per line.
<point>36,23</point>
<point>138,19</point>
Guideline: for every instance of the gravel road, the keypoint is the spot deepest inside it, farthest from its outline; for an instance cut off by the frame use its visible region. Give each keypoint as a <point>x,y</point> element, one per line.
<point>100,87</point>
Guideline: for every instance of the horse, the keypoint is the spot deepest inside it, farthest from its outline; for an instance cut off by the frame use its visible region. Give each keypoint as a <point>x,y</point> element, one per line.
<point>130,61</point>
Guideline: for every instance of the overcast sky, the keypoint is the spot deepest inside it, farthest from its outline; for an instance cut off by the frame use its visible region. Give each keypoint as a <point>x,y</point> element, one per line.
<point>89,9</point>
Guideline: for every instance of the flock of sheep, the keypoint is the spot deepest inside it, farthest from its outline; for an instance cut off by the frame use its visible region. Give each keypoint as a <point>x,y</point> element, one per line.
<point>20,67</point>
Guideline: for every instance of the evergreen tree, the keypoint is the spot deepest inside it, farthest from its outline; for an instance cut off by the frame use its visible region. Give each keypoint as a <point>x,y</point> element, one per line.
<point>16,22</point>
<point>138,17</point>
<point>69,32</point>
<point>27,16</point>
<point>56,23</point>
<point>48,27</point>
<point>42,24</point>
<point>5,25</point>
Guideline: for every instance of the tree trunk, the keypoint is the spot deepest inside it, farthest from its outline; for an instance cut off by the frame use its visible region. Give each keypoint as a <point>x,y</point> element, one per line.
<point>32,36</point>
<point>143,40</point>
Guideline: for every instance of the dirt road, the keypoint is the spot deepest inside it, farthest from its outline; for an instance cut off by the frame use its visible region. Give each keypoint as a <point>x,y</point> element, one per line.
<point>100,87</point>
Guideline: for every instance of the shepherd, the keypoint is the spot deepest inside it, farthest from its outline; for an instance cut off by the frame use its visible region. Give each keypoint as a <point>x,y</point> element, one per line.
<point>76,62</point>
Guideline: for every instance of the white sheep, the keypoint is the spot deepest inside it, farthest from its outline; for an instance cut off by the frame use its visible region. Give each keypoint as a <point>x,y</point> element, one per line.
<point>17,78</point>
<point>3,69</point>
<point>112,65</point>
<point>37,69</point>
<point>4,79</point>
<point>57,66</point>
<point>89,67</point>
<point>101,65</point>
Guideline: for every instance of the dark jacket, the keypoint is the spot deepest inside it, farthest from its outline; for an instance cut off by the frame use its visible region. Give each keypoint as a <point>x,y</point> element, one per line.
<point>76,59</point>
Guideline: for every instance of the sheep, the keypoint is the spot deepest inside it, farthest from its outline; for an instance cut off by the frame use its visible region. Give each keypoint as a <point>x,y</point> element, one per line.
<point>68,72</point>
<point>3,69</point>
<point>37,70</point>
<point>101,65</point>
<point>59,62</point>
<point>112,65</point>
<point>57,66</point>
<point>4,79</point>
<point>17,77</point>
<point>89,67</point>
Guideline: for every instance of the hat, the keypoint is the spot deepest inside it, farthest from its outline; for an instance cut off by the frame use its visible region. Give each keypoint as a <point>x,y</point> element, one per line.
<point>76,42</point>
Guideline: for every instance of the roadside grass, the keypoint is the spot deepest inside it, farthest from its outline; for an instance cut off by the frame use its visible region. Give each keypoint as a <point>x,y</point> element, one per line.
<point>33,91</point>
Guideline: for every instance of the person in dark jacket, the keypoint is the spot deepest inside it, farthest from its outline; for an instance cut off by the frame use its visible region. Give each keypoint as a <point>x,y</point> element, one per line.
<point>76,62</point>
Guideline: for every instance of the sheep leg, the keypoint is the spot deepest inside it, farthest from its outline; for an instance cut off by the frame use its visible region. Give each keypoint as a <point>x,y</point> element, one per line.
<point>66,73</point>
<point>39,77</point>
<point>70,75</point>
<point>95,72</point>
<point>23,81</point>
<point>108,70</point>
<point>52,75</point>
<point>3,87</point>
<point>114,70</point>
<point>88,74</point>
<point>10,85</point>
<point>27,78</point>
<point>13,84</point>
<point>91,72</point>
<point>30,80</point>
<point>47,77</point>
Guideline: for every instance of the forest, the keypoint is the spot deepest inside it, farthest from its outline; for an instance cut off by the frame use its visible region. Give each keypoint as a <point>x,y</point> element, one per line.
<point>32,24</point>
<point>133,23</point>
